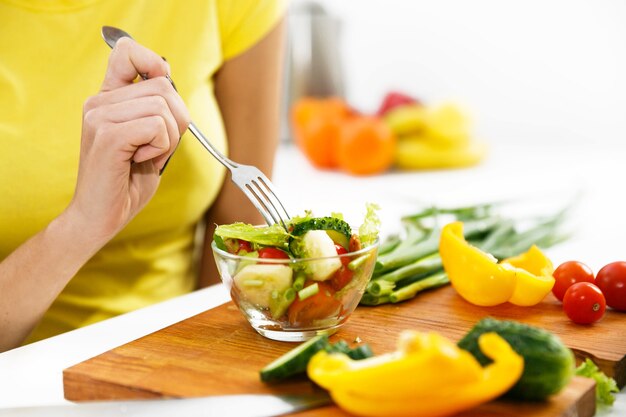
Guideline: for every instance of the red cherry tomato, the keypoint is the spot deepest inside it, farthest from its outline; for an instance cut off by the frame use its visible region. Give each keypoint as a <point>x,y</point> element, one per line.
<point>316,307</point>
<point>345,260</point>
<point>343,275</point>
<point>584,303</point>
<point>244,245</point>
<point>272,253</point>
<point>611,279</point>
<point>569,273</point>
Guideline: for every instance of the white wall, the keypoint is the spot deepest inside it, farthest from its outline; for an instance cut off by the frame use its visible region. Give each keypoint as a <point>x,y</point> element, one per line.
<point>528,71</point>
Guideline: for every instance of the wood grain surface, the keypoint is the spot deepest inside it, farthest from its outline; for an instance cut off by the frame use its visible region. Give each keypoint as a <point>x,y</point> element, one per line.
<point>217,352</point>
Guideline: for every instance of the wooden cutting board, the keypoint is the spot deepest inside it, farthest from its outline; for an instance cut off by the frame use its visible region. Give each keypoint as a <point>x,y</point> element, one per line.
<point>217,352</point>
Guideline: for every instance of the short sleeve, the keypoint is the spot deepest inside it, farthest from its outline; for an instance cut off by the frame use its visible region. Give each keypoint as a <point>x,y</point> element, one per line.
<point>243,23</point>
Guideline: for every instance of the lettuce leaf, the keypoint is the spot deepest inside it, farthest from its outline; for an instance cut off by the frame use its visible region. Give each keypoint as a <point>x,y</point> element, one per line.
<point>605,385</point>
<point>274,235</point>
<point>368,232</point>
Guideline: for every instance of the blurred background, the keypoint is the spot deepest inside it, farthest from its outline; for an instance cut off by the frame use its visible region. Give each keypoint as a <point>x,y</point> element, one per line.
<point>541,83</point>
<point>526,71</point>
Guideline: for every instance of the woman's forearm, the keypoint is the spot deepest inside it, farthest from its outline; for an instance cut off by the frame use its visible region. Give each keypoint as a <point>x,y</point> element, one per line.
<point>129,131</point>
<point>34,274</point>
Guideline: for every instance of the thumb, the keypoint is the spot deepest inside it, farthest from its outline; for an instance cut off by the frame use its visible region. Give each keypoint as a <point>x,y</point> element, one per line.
<point>129,59</point>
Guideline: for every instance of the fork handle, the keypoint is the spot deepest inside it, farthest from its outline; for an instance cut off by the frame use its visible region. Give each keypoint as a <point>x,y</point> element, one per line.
<point>198,134</point>
<point>209,147</point>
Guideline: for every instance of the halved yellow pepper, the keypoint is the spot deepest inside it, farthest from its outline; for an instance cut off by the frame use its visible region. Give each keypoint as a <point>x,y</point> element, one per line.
<point>534,277</point>
<point>478,277</point>
<point>427,376</point>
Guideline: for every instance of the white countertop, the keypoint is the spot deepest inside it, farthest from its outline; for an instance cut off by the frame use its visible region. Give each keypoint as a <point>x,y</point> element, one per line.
<point>32,374</point>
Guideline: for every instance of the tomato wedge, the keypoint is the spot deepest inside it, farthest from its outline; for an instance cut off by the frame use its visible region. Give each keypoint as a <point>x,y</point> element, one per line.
<point>322,305</point>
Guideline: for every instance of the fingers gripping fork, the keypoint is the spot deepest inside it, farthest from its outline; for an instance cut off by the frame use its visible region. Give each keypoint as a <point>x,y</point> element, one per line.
<point>254,184</point>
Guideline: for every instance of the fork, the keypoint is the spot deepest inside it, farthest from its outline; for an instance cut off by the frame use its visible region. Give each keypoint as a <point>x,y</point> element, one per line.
<point>254,184</point>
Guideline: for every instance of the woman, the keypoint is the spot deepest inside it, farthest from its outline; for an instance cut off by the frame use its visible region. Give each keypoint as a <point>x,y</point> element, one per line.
<point>88,228</point>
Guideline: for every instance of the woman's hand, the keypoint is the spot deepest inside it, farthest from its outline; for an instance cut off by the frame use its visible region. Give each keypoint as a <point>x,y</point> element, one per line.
<point>130,129</point>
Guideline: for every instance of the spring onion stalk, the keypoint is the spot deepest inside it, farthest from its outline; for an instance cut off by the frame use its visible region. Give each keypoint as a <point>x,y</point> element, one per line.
<point>298,283</point>
<point>380,287</point>
<point>409,291</point>
<point>430,263</point>
<point>461,213</point>
<point>356,263</point>
<point>372,300</point>
<point>403,256</point>
<point>309,291</point>
<point>388,245</point>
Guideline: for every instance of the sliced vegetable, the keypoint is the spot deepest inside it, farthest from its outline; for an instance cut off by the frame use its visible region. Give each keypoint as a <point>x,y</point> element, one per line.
<point>478,277</point>
<point>256,282</point>
<point>548,364</point>
<point>272,253</point>
<point>317,244</point>
<point>338,230</point>
<point>296,360</point>
<point>280,302</point>
<point>319,303</point>
<point>427,376</point>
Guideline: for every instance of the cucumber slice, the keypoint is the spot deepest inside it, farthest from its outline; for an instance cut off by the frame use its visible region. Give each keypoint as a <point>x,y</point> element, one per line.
<point>257,282</point>
<point>295,361</point>
<point>317,244</point>
<point>338,230</point>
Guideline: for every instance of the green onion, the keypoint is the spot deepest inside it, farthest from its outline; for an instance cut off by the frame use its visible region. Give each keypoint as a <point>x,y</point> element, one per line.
<point>380,287</point>
<point>355,263</point>
<point>405,293</point>
<point>298,283</point>
<point>309,291</point>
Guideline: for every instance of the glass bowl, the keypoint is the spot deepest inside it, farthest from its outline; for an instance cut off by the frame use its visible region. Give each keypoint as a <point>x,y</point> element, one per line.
<point>283,299</point>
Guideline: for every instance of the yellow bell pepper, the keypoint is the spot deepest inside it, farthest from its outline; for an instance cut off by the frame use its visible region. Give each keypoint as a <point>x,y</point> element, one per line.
<point>427,376</point>
<point>534,277</point>
<point>478,277</point>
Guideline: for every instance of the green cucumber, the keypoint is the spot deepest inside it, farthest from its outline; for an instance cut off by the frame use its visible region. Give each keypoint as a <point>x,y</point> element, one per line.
<point>295,361</point>
<point>548,364</point>
<point>338,230</point>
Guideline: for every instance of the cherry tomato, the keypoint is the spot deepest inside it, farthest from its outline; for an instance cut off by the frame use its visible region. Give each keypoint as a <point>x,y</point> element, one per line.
<point>341,278</point>
<point>244,245</point>
<point>345,260</point>
<point>272,253</point>
<point>316,307</point>
<point>569,273</point>
<point>343,275</point>
<point>355,243</point>
<point>584,303</point>
<point>611,279</point>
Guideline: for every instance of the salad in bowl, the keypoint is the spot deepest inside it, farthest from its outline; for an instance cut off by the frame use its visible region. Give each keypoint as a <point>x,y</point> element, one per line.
<point>300,281</point>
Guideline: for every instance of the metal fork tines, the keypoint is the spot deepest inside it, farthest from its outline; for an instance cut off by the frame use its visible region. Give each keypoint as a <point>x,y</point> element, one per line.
<point>255,185</point>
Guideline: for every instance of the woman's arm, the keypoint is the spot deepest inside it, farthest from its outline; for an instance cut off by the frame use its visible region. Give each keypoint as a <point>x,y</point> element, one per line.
<point>248,92</point>
<point>129,131</point>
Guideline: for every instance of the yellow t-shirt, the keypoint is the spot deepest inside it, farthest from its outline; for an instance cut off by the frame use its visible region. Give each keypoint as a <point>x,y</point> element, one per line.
<point>52,57</point>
